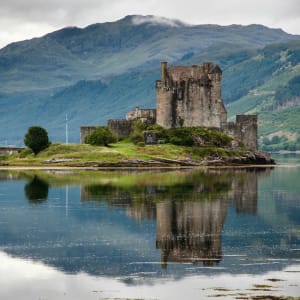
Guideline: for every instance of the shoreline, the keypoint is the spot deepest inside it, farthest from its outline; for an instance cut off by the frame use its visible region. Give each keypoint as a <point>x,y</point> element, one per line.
<point>140,168</point>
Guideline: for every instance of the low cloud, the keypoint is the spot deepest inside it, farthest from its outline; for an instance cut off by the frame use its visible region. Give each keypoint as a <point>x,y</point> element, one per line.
<point>137,20</point>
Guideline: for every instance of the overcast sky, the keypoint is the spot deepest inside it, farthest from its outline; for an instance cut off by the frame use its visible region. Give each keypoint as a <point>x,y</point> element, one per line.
<point>24,19</point>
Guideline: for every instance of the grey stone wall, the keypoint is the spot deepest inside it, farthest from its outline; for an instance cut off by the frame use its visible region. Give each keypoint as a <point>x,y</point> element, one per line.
<point>244,130</point>
<point>10,150</point>
<point>85,131</point>
<point>121,128</point>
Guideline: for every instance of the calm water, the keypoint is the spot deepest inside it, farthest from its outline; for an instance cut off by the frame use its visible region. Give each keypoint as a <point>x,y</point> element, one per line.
<point>151,235</point>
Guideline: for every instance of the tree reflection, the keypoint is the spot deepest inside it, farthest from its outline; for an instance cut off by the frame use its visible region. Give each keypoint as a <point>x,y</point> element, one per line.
<point>36,191</point>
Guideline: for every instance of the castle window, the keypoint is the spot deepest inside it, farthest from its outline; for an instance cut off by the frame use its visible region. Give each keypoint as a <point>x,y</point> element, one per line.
<point>180,94</point>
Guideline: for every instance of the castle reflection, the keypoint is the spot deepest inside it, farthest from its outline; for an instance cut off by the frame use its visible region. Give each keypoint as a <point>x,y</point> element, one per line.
<point>190,232</point>
<point>190,213</point>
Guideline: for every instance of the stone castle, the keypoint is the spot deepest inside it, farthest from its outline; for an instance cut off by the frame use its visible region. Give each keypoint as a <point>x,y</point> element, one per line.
<point>188,96</point>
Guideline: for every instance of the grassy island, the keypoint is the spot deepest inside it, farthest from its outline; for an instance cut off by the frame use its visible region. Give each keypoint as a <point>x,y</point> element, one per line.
<point>125,154</point>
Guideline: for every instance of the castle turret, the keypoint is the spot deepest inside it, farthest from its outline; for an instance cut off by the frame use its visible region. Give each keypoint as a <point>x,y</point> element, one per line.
<point>164,105</point>
<point>164,99</point>
<point>164,66</point>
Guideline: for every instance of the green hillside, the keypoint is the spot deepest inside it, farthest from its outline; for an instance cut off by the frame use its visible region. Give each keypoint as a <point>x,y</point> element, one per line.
<point>275,97</point>
<point>104,70</point>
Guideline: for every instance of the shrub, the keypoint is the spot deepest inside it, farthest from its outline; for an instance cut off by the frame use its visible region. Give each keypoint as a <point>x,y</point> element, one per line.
<point>36,139</point>
<point>102,136</point>
<point>137,137</point>
<point>139,126</point>
<point>141,144</point>
<point>26,152</point>
<point>197,136</point>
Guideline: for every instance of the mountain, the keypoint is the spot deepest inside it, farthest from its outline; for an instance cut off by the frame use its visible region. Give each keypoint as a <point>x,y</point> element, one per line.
<point>104,70</point>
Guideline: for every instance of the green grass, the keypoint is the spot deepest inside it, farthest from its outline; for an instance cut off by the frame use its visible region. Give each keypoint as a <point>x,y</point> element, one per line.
<point>122,151</point>
<point>80,153</point>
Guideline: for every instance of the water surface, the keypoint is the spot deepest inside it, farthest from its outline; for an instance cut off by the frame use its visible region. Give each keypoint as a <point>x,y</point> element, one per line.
<point>150,235</point>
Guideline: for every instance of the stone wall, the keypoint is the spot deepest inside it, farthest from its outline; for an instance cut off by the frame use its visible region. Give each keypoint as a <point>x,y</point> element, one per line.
<point>121,128</point>
<point>10,150</point>
<point>85,131</point>
<point>244,130</point>
<point>190,96</point>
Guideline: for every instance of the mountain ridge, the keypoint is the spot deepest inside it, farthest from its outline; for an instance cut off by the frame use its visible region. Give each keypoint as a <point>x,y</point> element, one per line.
<point>106,69</point>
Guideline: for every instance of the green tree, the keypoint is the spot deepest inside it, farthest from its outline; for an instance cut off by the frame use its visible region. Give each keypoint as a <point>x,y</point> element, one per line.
<point>36,139</point>
<point>137,136</point>
<point>102,136</point>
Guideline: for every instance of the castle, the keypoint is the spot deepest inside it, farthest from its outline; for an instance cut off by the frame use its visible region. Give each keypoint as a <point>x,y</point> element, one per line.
<point>188,96</point>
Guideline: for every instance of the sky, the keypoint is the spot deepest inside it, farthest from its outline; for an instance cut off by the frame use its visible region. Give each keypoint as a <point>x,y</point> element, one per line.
<point>25,19</point>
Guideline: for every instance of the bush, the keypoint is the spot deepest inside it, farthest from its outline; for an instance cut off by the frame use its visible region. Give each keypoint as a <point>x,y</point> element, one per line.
<point>36,139</point>
<point>137,137</point>
<point>197,136</point>
<point>26,152</point>
<point>139,126</point>
<point>141,144</point>
<point>102,136</point>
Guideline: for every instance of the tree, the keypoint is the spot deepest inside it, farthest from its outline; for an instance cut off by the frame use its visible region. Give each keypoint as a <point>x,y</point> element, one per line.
<point>36,139</point>
<point>102,136</point>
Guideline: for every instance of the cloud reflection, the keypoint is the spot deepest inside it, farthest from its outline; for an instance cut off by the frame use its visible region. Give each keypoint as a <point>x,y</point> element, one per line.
<point>27,280</point>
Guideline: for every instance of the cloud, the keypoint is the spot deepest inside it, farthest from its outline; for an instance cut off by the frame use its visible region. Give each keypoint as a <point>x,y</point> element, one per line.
<point>25,19</point>
<point>155,20</point>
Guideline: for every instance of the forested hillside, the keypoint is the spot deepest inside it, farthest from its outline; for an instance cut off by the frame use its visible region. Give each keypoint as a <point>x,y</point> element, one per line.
<point>104,70</point>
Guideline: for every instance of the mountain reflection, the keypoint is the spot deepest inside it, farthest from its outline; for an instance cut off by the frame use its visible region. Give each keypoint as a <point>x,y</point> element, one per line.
<point>190,213</point>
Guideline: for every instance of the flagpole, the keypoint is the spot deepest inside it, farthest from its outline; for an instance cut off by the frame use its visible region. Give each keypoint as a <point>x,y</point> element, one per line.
<point>67,136</point>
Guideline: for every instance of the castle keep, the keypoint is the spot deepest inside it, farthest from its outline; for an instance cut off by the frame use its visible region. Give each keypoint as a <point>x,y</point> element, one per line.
<point>188,96</point>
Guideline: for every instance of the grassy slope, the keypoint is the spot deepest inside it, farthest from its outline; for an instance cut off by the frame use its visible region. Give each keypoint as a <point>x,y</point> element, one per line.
<point>122,151</point>
<point>261,100</point>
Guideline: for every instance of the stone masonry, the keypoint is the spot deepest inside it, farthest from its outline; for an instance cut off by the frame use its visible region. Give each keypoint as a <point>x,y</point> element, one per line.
<point>121,128</point>
<point>190,96</point>
<point>85,131</point>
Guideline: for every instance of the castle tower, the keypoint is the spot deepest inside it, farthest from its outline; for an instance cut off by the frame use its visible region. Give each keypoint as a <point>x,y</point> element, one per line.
<point>190,96</point>
<point>165,113</point>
